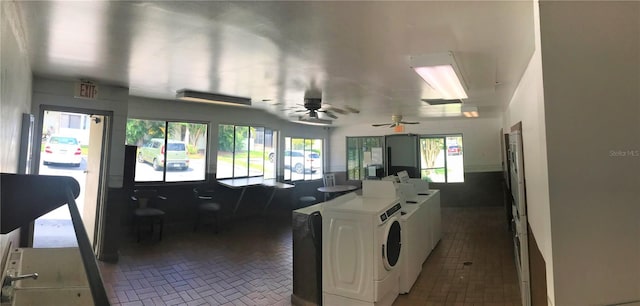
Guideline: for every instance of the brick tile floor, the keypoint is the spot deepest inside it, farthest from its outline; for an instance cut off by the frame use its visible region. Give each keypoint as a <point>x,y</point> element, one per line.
<point>479,238</point>
<point>251,264</point>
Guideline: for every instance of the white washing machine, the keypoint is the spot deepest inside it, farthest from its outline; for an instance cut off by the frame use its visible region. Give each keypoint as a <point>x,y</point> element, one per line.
<point>413,237</point>
<point>361,248</point>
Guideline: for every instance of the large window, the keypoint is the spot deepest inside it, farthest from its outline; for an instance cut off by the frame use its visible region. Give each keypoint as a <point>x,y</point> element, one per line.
<point>245,151</point>
<point>364,154</point>
<point>178,155</point>
<point>441,158</point>
<point>302,159</point>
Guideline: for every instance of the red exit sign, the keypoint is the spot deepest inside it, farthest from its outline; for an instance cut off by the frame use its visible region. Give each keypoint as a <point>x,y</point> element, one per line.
<point>86,90</point>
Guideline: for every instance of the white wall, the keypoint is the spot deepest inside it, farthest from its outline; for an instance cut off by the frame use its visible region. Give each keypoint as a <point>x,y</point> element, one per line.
<point>591,70</point>
<point>145,108</point>
<point>16,87</point>
<point>15,95</point>
<point>60,93</point>
<point>480,137</point>
<point>527,106</point>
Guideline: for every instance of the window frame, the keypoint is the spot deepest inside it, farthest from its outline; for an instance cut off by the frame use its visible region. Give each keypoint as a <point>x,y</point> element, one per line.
<point>362,170</point>
<point>446,156</point>
<point>149,143</point>
<point>265,154</point>
<point>305,140</point>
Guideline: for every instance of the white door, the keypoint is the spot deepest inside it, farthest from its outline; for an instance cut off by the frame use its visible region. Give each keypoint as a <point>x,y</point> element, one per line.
<point>91,131</point>
<point>92,181</point>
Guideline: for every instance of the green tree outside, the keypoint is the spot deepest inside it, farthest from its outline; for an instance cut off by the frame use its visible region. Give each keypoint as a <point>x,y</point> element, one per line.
<point>225,137</point>
<point>138,131</point>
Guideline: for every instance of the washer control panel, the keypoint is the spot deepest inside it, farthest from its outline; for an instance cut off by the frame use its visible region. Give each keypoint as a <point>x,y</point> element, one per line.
<point>390,212</point>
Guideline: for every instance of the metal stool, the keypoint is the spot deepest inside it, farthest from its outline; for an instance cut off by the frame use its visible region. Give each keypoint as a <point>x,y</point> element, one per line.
<point>306,201</point>
<point>206,207</point>
<point>143,212</point>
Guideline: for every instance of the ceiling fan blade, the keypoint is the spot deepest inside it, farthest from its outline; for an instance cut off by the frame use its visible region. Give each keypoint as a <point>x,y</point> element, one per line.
<point>409,122</point>
<point>328,113</point>
<point>331,115</point>
<point>337,110</point>
<point>301,111</point>
<point>381,124</point>
<point>393,125</point>
<point>351,109</point>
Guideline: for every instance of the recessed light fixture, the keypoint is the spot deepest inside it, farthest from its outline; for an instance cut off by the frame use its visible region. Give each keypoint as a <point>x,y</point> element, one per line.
<point>205,97</point>
<point>314,121</point>
<point>441,72</point>
<point>469,111</point>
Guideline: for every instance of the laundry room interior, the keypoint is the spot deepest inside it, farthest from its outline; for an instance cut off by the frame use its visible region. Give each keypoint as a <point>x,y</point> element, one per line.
<point>337,153</point>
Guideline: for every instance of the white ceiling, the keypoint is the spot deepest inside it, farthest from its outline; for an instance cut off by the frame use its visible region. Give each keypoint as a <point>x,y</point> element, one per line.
<point>355,53</point>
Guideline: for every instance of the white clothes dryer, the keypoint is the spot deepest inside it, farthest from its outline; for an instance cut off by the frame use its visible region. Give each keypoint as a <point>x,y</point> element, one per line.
<point>361,248</point>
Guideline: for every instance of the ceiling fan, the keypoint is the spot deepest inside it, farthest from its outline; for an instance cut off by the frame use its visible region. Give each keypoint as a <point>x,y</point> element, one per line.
<point>313,106</point>
<point>397,121</point>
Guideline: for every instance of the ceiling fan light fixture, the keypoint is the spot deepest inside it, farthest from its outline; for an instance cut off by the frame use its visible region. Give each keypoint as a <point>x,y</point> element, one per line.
<point>314,121</point>
<point>396,123</point>
<point>441,72</point>
<point>469,111</point>
<point>205,97</point>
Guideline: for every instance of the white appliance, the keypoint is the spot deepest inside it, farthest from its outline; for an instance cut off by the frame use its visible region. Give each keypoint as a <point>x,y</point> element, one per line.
<point>403,176</point>
<point>413,246</point>
<point>420,221</point>
<point>361,247</point>
<point>519,210</point>
<point>421,186</point>
<point>417,191</point>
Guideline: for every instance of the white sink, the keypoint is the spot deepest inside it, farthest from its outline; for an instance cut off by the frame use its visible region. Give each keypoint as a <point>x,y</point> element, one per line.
<point>56,268</point>
<point>61,277</point>
<point>53,296</point>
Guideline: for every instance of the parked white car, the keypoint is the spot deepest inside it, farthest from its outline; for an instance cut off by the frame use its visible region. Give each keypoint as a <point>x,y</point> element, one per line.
<point>301,162</point>
<point>62,150</point>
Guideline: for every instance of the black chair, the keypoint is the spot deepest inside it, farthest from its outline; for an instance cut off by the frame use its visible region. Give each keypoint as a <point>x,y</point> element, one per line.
<point>144,200</point>
<point>207,207</point>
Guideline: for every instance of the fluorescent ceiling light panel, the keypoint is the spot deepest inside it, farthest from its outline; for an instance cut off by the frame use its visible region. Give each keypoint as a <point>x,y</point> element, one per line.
<point>205,97</point>
<point>314,121</point>
<point>469,111</point>
<point>441,72</point>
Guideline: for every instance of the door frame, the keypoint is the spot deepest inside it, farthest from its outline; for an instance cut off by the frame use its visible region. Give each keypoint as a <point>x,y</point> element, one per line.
<point>98,239</point>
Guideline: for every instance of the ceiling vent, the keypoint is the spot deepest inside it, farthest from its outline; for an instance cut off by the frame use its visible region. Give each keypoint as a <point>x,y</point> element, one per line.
<point>442,101</point>
<point>198,96</point>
